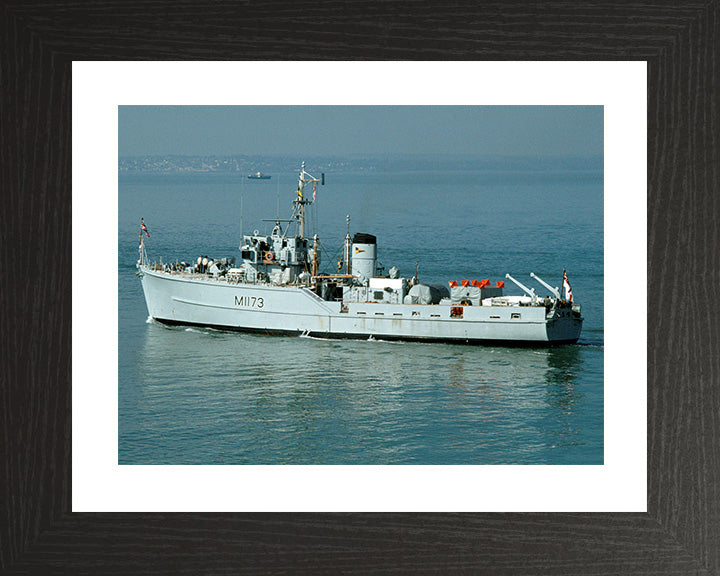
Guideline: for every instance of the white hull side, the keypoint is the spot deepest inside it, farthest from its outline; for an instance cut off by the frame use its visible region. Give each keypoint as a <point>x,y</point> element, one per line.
<point>183,299</point>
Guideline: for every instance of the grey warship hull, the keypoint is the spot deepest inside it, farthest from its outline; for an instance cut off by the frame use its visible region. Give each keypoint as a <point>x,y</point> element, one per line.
<point>177,298</point>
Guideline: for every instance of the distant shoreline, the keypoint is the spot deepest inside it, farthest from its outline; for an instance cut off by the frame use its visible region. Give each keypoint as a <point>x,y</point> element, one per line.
<point>176,164</point>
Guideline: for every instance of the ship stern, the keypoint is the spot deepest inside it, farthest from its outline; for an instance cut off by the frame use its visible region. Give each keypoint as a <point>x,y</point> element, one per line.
<point>565,326</point>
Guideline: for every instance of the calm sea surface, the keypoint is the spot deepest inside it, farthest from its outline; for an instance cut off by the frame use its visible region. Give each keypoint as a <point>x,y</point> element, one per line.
<point>202,396</point>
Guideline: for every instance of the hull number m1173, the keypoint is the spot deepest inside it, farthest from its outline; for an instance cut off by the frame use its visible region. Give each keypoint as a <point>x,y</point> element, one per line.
<point>251,301</point>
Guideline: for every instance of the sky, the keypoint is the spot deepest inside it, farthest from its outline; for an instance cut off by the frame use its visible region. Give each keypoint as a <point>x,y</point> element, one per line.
<point>349,130</point>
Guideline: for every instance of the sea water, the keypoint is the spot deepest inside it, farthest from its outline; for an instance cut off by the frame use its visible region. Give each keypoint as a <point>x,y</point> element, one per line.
<point>203,396</point>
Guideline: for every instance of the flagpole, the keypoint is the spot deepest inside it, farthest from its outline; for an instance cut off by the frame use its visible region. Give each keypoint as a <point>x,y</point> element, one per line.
<point>242,187</point>
<point>141,247</point>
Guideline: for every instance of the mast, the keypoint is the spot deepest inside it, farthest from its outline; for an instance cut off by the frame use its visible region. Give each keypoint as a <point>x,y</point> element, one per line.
<point>300,202</point>
<point>314,262</point>
<point>346,255</point>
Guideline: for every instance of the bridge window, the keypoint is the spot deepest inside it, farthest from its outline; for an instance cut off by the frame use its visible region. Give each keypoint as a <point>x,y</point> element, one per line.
<point>248,255</point>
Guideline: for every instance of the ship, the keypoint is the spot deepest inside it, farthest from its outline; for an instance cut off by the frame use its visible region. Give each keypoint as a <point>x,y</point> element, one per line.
<point>259,176</point>
<point>276,288</point>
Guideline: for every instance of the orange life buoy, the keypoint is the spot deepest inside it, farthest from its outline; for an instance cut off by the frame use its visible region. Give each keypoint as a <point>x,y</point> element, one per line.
<point>269,257</point>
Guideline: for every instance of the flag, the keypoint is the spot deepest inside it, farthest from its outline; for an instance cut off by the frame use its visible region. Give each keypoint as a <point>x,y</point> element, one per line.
<point>566,287</point>
<point>314,190</point>
<point>143,228</point>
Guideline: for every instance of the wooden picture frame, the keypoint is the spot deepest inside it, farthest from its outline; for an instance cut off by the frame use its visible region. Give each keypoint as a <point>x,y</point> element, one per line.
<point>681,530</point>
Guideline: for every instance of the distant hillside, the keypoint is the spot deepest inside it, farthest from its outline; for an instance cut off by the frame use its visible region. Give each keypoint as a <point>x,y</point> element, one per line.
<point>369,163</point>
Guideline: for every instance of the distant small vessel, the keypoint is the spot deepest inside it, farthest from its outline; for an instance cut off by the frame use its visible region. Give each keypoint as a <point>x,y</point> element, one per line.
<point>259,176</point>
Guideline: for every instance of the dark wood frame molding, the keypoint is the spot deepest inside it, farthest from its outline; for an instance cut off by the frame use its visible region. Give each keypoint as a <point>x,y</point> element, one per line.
<point>680,533</point>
